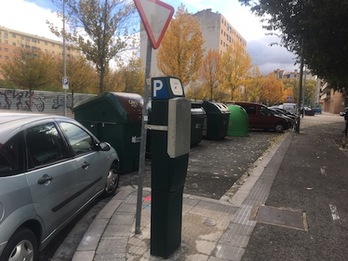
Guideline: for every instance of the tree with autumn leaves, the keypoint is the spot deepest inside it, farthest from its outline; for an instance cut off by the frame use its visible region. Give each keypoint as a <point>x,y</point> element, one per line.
<point>181,50</point>
<point>229,76</point>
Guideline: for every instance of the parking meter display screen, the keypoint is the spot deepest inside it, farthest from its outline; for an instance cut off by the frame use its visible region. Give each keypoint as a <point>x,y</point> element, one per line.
<point>176,87</point>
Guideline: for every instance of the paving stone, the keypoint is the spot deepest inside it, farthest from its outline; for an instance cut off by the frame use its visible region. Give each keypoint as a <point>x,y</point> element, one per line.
<point>112,245</point>
<point>228,252</point>
<point>122,219</point>
<point>117,231</point>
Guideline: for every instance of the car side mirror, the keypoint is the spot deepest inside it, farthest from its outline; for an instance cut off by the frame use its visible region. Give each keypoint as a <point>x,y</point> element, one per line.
<point>102,146</point>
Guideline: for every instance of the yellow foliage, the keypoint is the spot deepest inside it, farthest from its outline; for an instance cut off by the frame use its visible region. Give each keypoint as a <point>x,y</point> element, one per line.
<point>209,73</point>
<point>180,53</point>
<point>272,90</point>
<point>235,65</point>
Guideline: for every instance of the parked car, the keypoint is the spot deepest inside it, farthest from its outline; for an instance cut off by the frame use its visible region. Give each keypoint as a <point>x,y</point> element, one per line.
<point>51,167</point>
<point>289,106</point>
<point>342,113</point>
<point>260,117</point>
<point>317,109</point>
<point>308,111</point>
<point>287,115</point>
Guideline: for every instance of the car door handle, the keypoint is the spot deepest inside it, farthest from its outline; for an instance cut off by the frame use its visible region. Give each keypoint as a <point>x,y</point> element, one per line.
<point>44,179</point>
<point>85,165</point>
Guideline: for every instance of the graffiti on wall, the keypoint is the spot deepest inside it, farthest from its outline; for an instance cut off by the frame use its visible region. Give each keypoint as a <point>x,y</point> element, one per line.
<point>38,101</point>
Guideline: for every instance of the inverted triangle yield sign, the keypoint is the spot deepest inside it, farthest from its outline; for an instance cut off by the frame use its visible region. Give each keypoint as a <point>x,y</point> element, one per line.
<point>156,16</point>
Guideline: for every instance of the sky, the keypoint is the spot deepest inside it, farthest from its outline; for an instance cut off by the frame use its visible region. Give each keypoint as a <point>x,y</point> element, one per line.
<point>31,15</point>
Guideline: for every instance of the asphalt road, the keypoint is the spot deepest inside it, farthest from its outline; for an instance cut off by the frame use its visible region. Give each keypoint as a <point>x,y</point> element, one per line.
<point>215,165</point>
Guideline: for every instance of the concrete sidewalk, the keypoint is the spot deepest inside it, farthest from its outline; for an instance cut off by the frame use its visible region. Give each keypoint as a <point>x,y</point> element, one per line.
<point>212,229</point>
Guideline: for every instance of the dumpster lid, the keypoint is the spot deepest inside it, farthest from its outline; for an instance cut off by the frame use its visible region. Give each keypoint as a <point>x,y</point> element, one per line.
<point>215,107</point>
<point>114,106</point>
<point>198,111</point>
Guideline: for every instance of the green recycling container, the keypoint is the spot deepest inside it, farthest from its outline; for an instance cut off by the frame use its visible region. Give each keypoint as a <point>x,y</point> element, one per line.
<point>238,125</point>
<point>115,117</point>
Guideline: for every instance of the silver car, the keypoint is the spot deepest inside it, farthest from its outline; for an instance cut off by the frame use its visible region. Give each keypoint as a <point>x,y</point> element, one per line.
<point>50,168</point>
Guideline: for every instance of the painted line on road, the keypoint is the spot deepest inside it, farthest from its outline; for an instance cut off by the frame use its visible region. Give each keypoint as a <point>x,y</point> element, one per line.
<point>334,212</point>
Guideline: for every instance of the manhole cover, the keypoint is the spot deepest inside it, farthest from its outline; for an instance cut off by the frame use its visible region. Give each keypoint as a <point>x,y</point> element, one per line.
<point>289,218</point>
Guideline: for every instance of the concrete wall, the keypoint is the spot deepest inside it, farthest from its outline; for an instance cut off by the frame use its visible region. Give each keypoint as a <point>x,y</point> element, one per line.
<point>41,101</point>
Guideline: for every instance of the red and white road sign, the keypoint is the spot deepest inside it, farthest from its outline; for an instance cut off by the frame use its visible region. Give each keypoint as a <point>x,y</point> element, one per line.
<point>156,16</point>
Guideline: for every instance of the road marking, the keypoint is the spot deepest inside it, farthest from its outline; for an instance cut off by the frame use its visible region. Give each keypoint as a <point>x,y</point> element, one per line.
<point>334,212</point>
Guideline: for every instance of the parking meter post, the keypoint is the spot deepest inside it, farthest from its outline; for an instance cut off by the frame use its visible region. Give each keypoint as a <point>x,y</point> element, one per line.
<point>170,148</point>
<point>142,153</point>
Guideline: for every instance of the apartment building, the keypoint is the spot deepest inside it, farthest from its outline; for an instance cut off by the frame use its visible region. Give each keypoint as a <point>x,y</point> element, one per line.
<point>218,34</point>
<point>331,101</point>
<point>11,40</point>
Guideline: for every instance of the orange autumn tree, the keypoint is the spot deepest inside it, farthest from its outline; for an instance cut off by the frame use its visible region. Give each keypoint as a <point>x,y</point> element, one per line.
<point>235,65</point>
<point>272,90</point>
<point>209,73</point>
<point>181,51</point>
<point>253,86</point>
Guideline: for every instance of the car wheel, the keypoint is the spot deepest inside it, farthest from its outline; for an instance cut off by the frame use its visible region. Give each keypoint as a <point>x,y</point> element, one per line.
<point>112,180</point>
<point>279,128</point>
<point>21,246</point>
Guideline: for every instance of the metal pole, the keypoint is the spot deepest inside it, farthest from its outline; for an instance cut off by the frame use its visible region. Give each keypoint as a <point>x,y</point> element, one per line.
<point>64,58</point>
<point>143,138</point>
<point>304,90</point>
<point>299,97</point>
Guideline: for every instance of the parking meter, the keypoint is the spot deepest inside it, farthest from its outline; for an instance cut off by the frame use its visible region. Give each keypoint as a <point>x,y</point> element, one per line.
<point>170,145</point>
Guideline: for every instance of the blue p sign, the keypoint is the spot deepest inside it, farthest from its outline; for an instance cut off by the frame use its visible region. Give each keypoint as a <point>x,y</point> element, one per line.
<point>159,89</point>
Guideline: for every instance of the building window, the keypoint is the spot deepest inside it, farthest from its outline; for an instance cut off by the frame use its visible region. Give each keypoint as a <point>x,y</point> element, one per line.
<point>14,44</point>
<point>13,35</point>
<point>6,35</point>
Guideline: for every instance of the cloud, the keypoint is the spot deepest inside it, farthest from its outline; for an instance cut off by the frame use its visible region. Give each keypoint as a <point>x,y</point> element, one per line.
<point>28,17</point>
<point>269,58</point>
